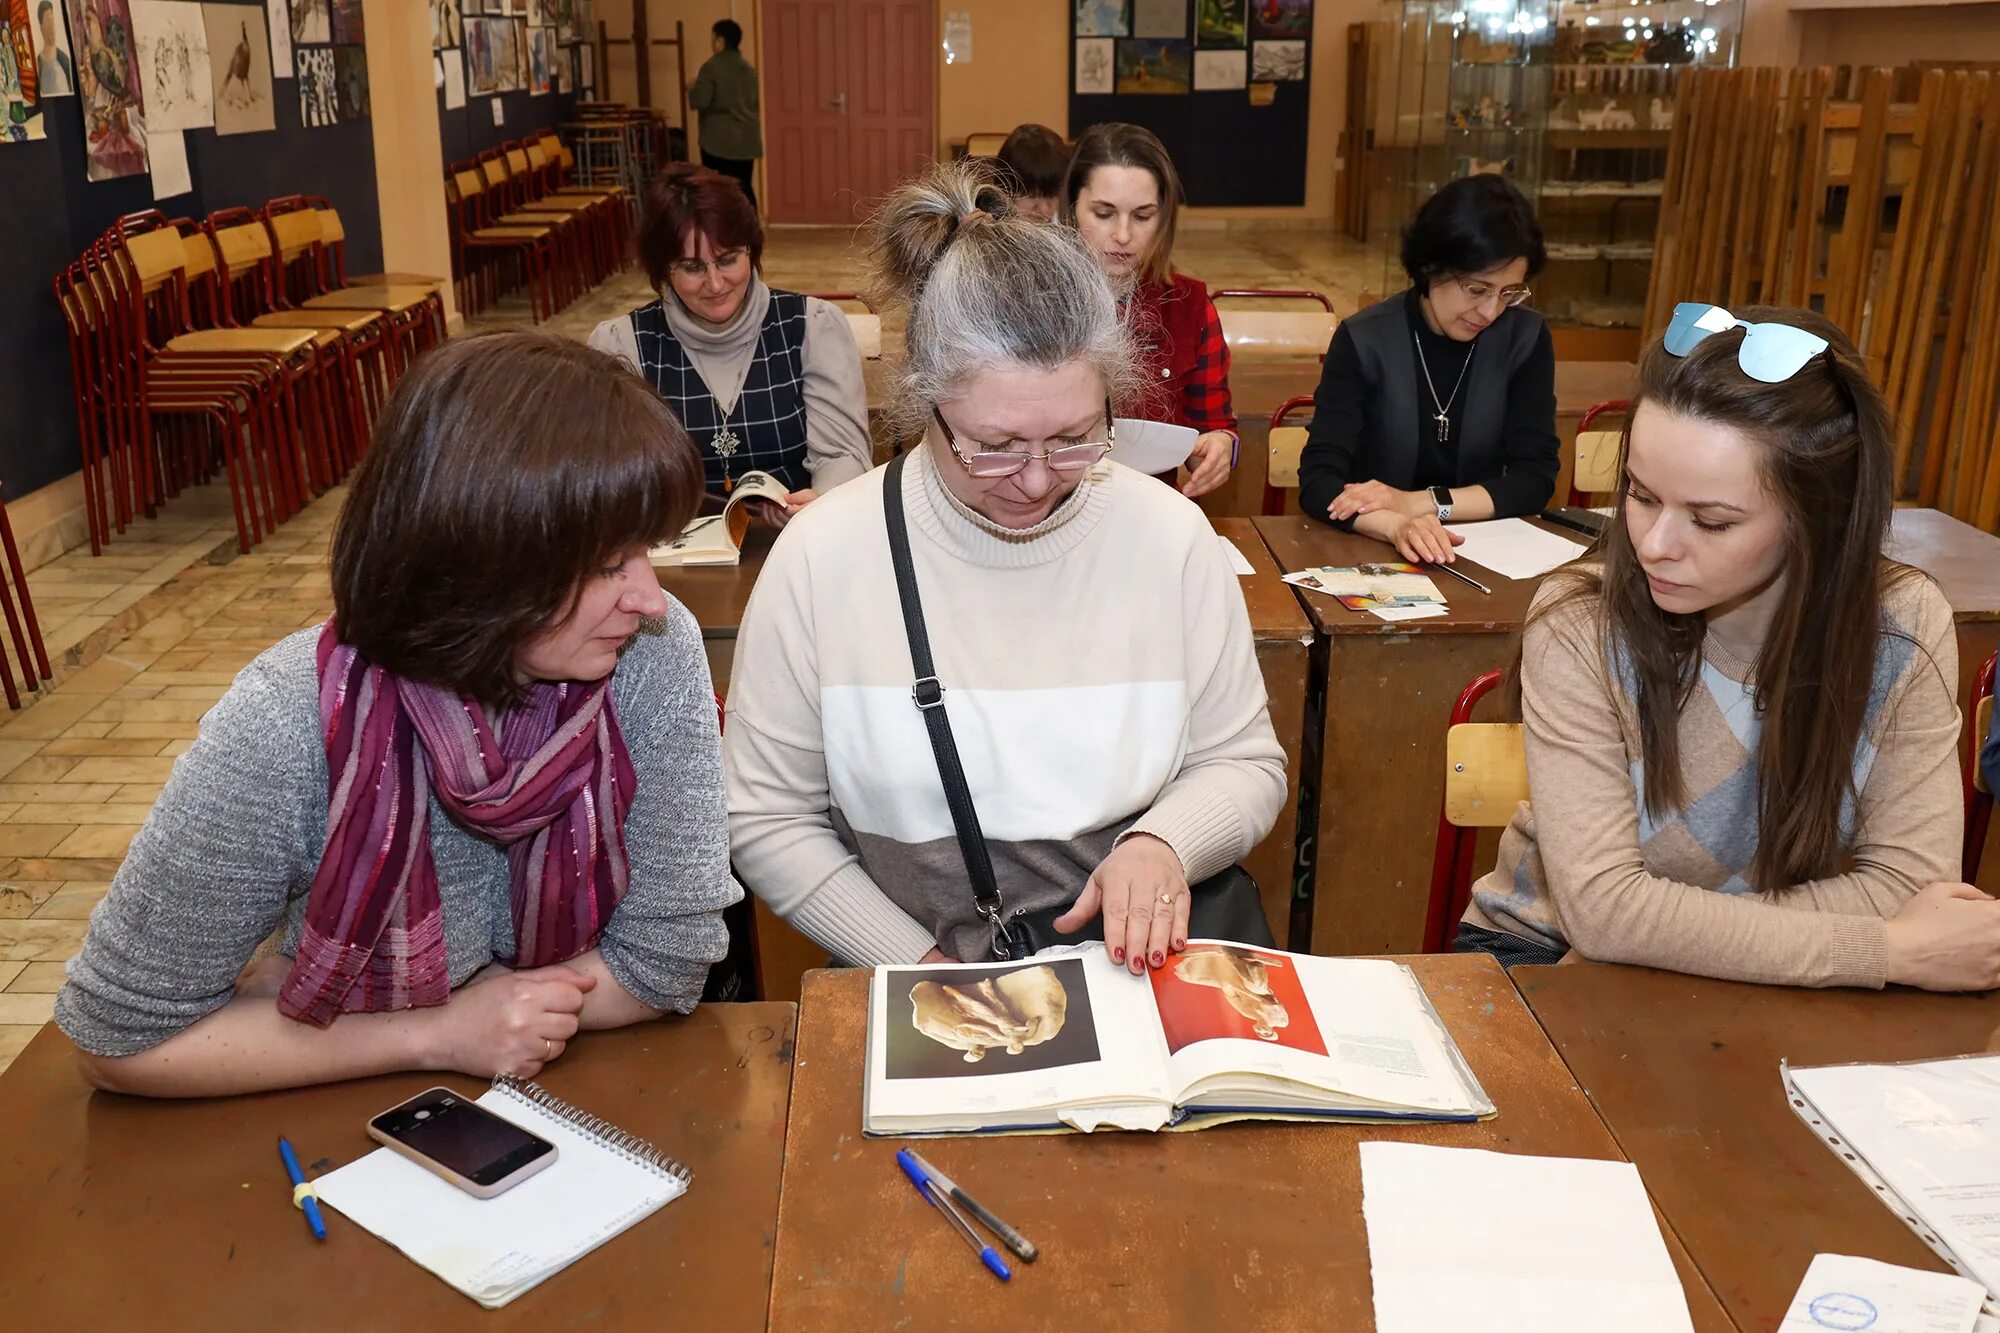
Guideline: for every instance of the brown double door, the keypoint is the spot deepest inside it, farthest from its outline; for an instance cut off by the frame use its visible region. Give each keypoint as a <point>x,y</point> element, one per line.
<point>848,101</point>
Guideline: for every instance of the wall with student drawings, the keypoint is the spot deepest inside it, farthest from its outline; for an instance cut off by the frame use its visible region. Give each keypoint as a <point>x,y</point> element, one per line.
<point>50,211</point>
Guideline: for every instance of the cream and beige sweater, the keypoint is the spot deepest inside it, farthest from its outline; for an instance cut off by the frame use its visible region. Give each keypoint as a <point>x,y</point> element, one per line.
<point>1099,676</point>
<point>1586,867</point>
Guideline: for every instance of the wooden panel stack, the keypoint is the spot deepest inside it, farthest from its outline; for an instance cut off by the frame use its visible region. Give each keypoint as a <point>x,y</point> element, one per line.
<point>1873,196</point>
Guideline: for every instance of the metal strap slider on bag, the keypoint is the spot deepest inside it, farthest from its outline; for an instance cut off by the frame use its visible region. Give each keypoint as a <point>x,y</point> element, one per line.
<point>927,693</point>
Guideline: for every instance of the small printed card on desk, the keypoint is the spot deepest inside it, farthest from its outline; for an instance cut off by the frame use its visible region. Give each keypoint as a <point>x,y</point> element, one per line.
<point>1842,1291</point>
<point>1390,591</point>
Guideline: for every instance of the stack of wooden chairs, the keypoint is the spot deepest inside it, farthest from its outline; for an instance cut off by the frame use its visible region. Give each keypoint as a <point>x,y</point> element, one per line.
<point>232,344</point>
<point>1873,196</point>
<point>519,223</point>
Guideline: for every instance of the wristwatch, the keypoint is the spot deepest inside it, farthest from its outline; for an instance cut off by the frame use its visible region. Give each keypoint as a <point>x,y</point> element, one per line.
<point>1441,497</point>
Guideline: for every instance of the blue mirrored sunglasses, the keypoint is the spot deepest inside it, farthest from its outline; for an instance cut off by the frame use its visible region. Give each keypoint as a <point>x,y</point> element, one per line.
<point>1772,353</point>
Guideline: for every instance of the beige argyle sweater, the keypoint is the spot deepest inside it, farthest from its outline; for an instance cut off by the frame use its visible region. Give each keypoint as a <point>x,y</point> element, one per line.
<point>1588,868</point>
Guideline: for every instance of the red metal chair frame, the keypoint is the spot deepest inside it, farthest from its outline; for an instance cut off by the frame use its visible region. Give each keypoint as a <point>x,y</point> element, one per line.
<point>1451,866</point>
<point>1274,497</point>
<point>1978,804</point>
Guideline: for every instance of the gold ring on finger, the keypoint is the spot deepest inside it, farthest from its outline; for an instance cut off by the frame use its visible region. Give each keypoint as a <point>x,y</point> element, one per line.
<point>1167,899</point>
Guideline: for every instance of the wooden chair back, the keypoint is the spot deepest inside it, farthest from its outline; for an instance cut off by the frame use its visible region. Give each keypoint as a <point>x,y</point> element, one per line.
<point>1594,469</point>
<point>1485,780</point>
<point>1287,444</point>
<point>984,145</point>
<point>1271,333</point>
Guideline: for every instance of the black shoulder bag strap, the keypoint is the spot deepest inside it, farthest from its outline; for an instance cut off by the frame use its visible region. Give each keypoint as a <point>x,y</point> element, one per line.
<point>928,695</point>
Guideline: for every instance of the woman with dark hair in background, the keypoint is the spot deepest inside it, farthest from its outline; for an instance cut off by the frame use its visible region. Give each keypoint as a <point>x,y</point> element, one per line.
<point>1035,159</point>
<point>1124,197</point>
<point>766,381</point>
<point>477,810</point>
<point>1439,404</point>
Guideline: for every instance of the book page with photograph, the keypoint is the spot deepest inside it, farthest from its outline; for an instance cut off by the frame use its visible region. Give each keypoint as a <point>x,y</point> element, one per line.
<point>717,539</point>
<point>1254,1028</point>
<point>1044,1043</point>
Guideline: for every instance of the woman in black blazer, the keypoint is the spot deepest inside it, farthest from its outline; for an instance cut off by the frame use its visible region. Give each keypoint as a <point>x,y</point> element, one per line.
<point>1439,404</point>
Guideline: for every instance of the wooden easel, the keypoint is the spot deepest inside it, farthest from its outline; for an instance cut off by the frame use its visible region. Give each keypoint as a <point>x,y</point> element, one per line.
<point>641,40</point>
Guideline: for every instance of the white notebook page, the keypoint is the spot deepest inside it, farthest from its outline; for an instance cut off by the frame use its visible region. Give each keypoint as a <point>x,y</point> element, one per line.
<point>495,1249</point>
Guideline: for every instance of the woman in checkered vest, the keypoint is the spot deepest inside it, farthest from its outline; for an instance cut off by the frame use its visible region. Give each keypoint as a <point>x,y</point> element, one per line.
<point>764,380</point>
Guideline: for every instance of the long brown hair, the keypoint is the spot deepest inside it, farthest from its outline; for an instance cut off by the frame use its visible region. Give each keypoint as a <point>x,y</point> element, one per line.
<point>1116,144</point>
<point>506,470</point>
<point>1826,458</point>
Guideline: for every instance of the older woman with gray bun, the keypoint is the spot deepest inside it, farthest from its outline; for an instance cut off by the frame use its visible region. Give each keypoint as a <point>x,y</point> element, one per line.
<point>1089,637</point>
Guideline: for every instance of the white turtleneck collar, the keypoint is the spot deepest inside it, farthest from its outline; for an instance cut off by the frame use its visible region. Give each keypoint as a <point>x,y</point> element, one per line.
<point>973,537</point>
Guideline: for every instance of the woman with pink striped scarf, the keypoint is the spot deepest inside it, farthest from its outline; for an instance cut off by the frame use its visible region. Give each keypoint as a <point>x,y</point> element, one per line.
<point>478,810</point>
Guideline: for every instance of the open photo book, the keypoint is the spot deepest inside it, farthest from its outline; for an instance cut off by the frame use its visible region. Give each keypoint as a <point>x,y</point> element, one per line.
<point>1070,1040</point>
<point>717,539</point>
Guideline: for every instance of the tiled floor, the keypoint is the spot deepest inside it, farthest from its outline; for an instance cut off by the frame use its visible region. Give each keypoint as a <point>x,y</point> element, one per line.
<point>152,632</point>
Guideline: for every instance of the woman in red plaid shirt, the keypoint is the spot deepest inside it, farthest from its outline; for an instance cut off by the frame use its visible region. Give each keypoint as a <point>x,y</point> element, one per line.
<point>1122,195</point>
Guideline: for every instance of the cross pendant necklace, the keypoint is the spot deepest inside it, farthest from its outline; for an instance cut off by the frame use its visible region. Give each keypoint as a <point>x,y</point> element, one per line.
<point>1443,415</point>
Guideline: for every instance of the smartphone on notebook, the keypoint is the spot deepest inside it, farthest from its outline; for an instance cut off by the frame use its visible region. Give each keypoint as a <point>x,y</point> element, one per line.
<point>463,1142</point>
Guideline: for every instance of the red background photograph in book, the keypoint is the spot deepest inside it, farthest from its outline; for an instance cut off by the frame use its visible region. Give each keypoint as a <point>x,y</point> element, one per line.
<point>1225,990</point>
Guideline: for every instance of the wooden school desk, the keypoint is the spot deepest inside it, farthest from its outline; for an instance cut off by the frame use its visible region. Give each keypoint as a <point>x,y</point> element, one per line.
<point>1390,688</point>
<point>1283,635</point>
<point>121,1212</point>
<point>1685,1072</point>
<point>1389,691</point>
<point>1241,1226</point>
<point>716,597</point>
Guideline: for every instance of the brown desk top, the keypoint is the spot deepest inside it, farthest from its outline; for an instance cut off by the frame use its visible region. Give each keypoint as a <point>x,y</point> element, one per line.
<point>1964,560</point>
<point>715,595</point>
<point>1302,543</point>
<point>1685,1072</point>
<point>1274,611</point>
<point>117,1209</point>
<point>1245,1226</point>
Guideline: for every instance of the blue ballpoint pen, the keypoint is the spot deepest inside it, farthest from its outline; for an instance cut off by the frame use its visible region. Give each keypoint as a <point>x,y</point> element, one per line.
<point>921,1179</point>
<point>305,1201</point>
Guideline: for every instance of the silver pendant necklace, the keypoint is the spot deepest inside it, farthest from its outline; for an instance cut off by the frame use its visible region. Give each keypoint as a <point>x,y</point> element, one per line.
<point>1443,417</point>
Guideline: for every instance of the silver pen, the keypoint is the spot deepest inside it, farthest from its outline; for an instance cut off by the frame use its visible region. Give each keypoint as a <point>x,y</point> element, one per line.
<point>1462,578</point>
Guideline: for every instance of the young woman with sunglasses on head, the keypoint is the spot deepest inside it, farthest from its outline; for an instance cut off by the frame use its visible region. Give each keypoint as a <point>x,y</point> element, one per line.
<point>764,380</point>
<point>1091,642</point>
<point>1439,404</point>
<point>1741,719</point>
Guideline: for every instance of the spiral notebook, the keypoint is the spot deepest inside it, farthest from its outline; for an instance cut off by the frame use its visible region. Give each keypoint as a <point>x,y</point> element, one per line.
<point>603,1181</point>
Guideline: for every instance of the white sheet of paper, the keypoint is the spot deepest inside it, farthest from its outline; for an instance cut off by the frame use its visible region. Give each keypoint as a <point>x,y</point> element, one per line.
<point>1406,612</point>
<point>1234,554</point>
<point>1513,547</point>
<point>280,18</point>
<point>454,79</point>
<point>1841,1291</point>
<point>1152,446</point>
<point>1931,1130</point>
<point>167,154</point>
<point>1451,1246</point>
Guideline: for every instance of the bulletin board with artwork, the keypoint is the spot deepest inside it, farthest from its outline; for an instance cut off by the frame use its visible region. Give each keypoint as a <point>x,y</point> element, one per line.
<point>506,69</point>
<point>1226,84</point>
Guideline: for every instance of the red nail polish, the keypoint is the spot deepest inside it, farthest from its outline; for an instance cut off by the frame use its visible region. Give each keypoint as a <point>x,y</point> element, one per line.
<point>1158,958</point>
<point>1117,955</point>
